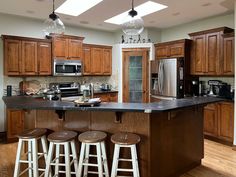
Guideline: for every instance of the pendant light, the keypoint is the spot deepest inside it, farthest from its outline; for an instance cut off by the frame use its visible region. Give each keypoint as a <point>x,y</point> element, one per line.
<point>53,24</point>
<point>133,23</point>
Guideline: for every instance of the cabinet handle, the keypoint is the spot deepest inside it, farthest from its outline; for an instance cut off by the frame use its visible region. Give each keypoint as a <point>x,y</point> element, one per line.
<point>43,45</point>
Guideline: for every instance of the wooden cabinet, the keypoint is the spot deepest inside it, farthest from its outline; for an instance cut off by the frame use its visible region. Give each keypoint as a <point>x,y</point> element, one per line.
<point>219,121</point>
<point>228,59</point>
<point>44,56</point>
<point>97,60</point>
<point>107,97</point>
<point>176,48</point>
<point>67,47</point>
<point>207,51</point>
<point>15,123</point>
<point>26,56</point>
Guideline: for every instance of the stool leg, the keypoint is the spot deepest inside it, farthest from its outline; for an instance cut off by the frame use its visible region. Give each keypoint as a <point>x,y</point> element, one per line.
<point>104,157</point>
<point>67,159</point>
<point>74,154</point>
<point>35,157</point>
<point>45,150</point>
<point>86,158</point>
<point>18,154</point>
<point>115,161</point>
<point>81,158</point>
<point>57,161</point>
<point>30,165</point>
<point>99,160</point>
<point>134,161</point>
<point>49,158</point>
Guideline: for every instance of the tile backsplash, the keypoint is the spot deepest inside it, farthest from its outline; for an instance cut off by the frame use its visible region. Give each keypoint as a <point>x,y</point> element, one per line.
<point>45,80</point>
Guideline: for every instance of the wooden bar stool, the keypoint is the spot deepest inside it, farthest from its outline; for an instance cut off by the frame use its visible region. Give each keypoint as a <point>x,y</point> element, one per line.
<point>31,138</point>
<point>67,140</point>
<point>125,140</point>
<point>95,138</point>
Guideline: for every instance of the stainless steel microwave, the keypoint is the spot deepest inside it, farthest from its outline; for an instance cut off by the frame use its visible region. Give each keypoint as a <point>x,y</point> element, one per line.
<point>67,67</point>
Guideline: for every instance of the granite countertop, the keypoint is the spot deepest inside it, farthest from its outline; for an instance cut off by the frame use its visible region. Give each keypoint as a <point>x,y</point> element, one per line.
<point>24,102</point>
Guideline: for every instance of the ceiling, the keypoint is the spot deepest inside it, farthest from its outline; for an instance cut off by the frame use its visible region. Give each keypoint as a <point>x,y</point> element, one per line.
<point>178,11</point>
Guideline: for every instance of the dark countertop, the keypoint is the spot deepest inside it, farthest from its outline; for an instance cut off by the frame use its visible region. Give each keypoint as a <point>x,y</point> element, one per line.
<point>24,102</point>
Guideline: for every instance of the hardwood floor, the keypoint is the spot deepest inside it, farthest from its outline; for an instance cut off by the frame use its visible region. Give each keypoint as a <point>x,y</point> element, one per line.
<point>219,161</point>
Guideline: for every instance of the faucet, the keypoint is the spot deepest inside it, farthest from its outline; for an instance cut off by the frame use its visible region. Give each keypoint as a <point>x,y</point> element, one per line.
<point>91,88</point>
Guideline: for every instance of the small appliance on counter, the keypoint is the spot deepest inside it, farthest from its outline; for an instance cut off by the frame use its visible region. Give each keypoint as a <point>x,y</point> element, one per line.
<point>105,87</point>
<point>220,89</point>
<point>214,87</point>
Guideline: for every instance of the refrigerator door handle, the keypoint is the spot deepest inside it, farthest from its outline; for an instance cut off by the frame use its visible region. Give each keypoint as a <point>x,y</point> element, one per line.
<point>160,77</point>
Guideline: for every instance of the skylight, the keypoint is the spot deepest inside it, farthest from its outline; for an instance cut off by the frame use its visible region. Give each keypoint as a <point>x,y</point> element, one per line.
<point>143,9</point>
<point>76,7</point>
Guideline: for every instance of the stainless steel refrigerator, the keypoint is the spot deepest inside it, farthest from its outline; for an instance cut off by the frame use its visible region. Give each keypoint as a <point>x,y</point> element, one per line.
<point>168,83</point>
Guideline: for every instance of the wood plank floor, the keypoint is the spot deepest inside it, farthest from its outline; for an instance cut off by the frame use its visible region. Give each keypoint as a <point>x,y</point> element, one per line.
<point>219,161</point>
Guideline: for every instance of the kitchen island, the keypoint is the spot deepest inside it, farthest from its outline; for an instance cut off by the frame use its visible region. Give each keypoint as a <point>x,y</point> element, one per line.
<point>171,131</point>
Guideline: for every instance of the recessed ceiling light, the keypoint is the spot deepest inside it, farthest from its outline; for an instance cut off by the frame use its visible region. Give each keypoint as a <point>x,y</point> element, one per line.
<point>76,7</point>
<point>143,9</point>
<point>206,4</point>
<point>176,14</point>
<point>84,22</point>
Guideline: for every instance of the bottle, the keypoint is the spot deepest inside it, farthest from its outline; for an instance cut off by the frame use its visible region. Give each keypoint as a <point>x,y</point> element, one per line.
<point>9,90</point>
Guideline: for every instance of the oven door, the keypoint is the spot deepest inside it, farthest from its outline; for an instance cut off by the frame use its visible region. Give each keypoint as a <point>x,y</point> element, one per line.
<point>67,68</point>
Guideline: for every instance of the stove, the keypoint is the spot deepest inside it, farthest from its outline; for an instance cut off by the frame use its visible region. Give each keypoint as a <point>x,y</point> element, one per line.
<point>68,89</point>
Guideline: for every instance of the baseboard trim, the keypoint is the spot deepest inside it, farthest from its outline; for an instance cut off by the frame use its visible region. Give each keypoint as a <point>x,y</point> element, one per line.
<point>234,147</point>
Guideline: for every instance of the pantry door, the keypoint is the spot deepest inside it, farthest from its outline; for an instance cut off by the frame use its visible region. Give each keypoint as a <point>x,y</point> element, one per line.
<point>135,75</point>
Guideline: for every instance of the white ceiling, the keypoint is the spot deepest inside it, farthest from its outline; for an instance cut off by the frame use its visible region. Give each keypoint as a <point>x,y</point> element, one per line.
<point>178,11</point>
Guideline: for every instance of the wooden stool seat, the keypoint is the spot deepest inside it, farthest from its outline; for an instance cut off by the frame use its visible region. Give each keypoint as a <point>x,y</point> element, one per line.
<point>92,137</point>
<point>62,136</point>
<point>32,133</point>
<point>125,138</point>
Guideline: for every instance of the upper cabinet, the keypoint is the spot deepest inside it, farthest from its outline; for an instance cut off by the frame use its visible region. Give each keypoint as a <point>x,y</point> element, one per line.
<point>228,59</point>
<point>97,59</point>
<point>172,49</point>
<point>67,47</point>
<point>26,56</point>
<point>207,52</point>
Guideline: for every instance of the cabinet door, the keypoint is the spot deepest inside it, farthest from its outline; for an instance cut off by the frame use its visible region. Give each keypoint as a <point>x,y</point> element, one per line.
<point>113,97</point>
<point>212,53</point>
<point>103,96</point>
<point>29,58</point>
<point>228,60</point>
<point>210,120</point>
<point>107,62</point>
<point>75,49</point>
<point>162,52</point>
<point>96,61</point>
<point>15,123</point>
<point>226,121</point>
<point>44,58</point>
<point>198,60</point>
<point>12,57</point>
<point>60,47</point>
<point>86,60</point>
<point>176,50</point>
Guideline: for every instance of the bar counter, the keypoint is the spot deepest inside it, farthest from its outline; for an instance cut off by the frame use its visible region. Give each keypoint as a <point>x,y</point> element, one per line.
<point>171,131</point>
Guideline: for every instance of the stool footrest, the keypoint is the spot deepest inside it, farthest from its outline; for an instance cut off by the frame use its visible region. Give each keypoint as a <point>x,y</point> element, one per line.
<point>126,160</point>
<point>126,170</point>
<point>90,164</point>
<point>94,172</point>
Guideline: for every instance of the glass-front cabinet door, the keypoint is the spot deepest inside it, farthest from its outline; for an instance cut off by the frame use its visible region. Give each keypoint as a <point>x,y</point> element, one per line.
<point>135,75</point>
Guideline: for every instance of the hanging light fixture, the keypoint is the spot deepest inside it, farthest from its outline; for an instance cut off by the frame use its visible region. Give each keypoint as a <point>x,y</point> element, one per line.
<point>133,23</point>
<point>53,24</point>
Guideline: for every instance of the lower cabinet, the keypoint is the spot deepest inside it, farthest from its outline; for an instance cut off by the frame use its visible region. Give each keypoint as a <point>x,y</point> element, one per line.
<point>107,97</point>
<point>219,121</point>
<point>15,124</point>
